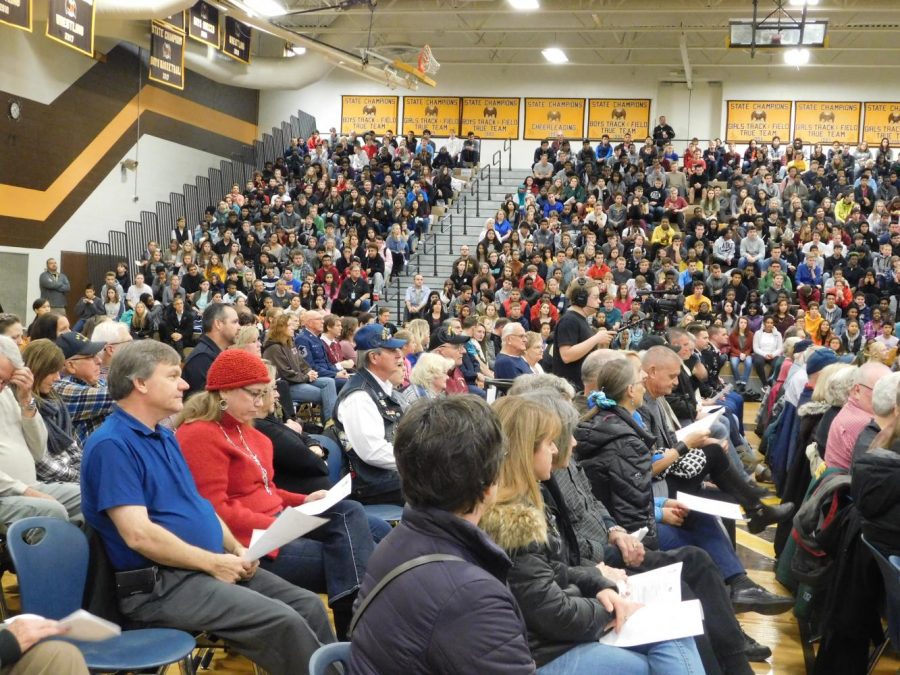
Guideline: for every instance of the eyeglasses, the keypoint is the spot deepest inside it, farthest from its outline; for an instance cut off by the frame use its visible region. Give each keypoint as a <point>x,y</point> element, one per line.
<point>257,395</point>
<point>93,357</point>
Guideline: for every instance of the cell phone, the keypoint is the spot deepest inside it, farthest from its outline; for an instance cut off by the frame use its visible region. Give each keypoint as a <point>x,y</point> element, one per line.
<point>135,582</point>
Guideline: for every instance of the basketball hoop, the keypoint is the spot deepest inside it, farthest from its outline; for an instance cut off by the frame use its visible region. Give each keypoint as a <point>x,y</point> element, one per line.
<point>427,63</point>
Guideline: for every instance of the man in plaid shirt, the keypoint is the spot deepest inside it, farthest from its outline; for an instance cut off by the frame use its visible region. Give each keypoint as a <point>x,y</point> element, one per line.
<point>80,388</point>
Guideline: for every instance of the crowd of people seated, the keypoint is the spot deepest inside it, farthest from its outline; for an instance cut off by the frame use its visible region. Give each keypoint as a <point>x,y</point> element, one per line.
<point>611,294</point>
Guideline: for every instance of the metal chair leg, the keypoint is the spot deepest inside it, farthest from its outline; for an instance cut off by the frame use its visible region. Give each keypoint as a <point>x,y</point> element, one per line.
<point>186,665</point>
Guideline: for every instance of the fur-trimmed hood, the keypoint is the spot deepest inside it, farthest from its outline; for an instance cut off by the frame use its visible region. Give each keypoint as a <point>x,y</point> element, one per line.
<point>813,408</point>
<point>515,526</point>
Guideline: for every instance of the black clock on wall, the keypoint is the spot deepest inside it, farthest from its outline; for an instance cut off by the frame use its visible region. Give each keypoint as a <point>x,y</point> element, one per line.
<point>14,110</point>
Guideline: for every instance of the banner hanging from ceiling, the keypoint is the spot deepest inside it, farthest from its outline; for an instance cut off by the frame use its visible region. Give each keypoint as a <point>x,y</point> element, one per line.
<point>438,114</point>
<point>71,22</point>
<point>203,24</point>
<point>547,117</point>
<point>16,13</point>
<point>369,113</point>
<point>490,118</point>
<point>827,121</point>
<point>881,120</point>
<point>757,120</point>
<point>175,21</point>
<point>237,40</point>
<point>166,55</point>
<point>617,117</point>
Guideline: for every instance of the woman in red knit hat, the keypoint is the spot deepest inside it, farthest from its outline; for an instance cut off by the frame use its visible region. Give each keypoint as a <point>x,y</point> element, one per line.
<point>232,465</point>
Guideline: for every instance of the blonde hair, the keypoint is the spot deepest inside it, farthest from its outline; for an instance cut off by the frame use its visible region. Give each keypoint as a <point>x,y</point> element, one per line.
<point>43,357</point>
<point>525,424</point>
<point>428,367</point>
<point>420,331</point>
<point>532,339</point>
<point>246,335</point>
<point>205,406</point>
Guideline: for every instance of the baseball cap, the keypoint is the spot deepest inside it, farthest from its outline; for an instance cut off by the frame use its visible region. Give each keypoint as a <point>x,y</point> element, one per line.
<point>376,336</point>
<point>442,336</point>
<point>76,344</point>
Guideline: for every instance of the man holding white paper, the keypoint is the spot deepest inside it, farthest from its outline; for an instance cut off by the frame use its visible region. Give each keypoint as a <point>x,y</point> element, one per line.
<point>177,564</point>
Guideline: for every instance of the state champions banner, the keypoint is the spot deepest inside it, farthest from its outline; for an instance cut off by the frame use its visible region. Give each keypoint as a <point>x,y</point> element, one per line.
<point>438,114</point>
<point>71,22</point>
<point>617,117</point>
<point>166,55</point>
<point>757,120</point>
<point>16,13</point>
<point>545,117</point>
<point>490,118</point>
<point>369,113</point>
<point>881,120</point>
<point>827,121</point>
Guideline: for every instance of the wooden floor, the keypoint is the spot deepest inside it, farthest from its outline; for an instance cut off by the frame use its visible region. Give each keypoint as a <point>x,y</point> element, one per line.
<point>780,633</point>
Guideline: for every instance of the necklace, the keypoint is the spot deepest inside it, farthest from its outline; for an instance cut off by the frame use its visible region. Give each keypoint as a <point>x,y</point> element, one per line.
<point>249,453</point>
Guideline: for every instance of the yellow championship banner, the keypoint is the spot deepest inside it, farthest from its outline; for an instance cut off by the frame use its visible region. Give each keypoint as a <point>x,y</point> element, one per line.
<point>757,120</point>
<point>881,120</point>
<point>369,113</point>
<point>438,114</point>
<point>545,117</point>
<point>617,117</point>
<point>490,118</point>
<point>827,121</point>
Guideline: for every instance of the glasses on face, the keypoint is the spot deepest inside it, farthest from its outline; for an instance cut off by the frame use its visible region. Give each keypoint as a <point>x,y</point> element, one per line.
<point>258,395</point>
<point>85,358</point>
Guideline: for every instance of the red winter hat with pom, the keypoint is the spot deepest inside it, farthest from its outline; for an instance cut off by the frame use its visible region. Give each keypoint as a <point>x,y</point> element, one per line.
<point>236,368</point>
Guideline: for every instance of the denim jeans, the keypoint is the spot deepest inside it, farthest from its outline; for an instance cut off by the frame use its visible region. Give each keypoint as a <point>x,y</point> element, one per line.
<point>330,559</point>
<point>704,531</point>
<point>322,391</point>
<point>741,369</point>
<point>673,657</point>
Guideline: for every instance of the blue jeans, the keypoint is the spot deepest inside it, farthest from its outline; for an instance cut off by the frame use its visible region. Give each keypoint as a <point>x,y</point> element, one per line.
<point>737,366</point>
<point>704,531</point>
<point>322,391</point>
<point>331,558</point>
<point>673,657</point>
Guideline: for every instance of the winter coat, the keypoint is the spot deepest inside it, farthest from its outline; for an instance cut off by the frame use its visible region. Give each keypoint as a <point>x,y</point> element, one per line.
<point>442,617</point>
<point>875,487</point>
<point>615,453</point>
<point>558,601</point>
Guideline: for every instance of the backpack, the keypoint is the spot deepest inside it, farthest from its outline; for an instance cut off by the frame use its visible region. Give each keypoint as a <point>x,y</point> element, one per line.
<point>817,529</point>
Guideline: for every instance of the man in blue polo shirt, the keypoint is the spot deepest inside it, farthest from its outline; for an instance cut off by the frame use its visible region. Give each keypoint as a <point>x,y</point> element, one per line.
<point>177,563</point>
<point>510,362</point>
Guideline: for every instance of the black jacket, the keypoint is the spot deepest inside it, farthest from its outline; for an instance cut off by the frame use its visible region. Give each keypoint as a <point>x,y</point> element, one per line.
<point>170,324</point>
<point>558,601</point>
<point>444,617</point>
<point>615,454</point>
<point>875,487</point>
<point>297,468</point>
<point>197,364</point>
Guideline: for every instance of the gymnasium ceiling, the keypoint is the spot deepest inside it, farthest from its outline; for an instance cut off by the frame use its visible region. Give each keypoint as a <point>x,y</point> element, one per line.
<point>604,33</point>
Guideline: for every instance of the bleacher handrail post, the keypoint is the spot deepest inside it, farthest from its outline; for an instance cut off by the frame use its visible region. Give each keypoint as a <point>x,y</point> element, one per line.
<point>451,234</point>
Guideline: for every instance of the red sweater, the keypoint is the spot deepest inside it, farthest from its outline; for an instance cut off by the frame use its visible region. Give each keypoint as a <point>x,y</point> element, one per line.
<point>229,478</point>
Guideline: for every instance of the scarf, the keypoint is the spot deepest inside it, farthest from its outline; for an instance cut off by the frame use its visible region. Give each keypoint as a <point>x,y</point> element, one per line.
<point>60,436</point>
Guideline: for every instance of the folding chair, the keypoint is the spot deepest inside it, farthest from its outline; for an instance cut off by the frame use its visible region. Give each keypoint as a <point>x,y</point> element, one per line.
<point>52,572</point>
<point>890,572</point>
<point>326,655</point>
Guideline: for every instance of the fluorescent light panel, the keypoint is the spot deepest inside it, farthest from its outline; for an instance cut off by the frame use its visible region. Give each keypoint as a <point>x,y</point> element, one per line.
<point>524,5</point>
<point>266,7</point>
<point>796,57</point>
<point>555,55</point>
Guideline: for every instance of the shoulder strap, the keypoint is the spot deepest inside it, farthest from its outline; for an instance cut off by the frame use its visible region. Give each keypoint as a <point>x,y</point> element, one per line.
<point>393,574</point>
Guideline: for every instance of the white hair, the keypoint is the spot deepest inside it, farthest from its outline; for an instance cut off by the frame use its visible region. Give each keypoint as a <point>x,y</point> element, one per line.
<point>10,350</point>
<point>884,395</point>
<point>509,329</point>
<point>110,331</point>
<point>428,367</point>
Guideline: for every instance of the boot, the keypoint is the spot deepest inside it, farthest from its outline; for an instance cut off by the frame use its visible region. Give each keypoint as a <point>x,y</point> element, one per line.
<point>759,515</point>
<point>342,610</point>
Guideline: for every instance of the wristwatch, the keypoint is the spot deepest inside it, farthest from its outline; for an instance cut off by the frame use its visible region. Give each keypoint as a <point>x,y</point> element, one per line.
<point>31,406</point>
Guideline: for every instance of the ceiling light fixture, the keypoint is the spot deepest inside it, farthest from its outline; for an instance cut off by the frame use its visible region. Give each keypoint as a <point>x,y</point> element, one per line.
<point>266,7</point>
<point>796,57</point>
<point>555,55</point>
<point>524,5</point>
<point>800,3</point>
<point>291,50</point>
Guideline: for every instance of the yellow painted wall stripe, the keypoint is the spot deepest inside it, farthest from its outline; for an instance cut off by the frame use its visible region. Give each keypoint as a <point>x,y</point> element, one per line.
<point>31,204</point>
